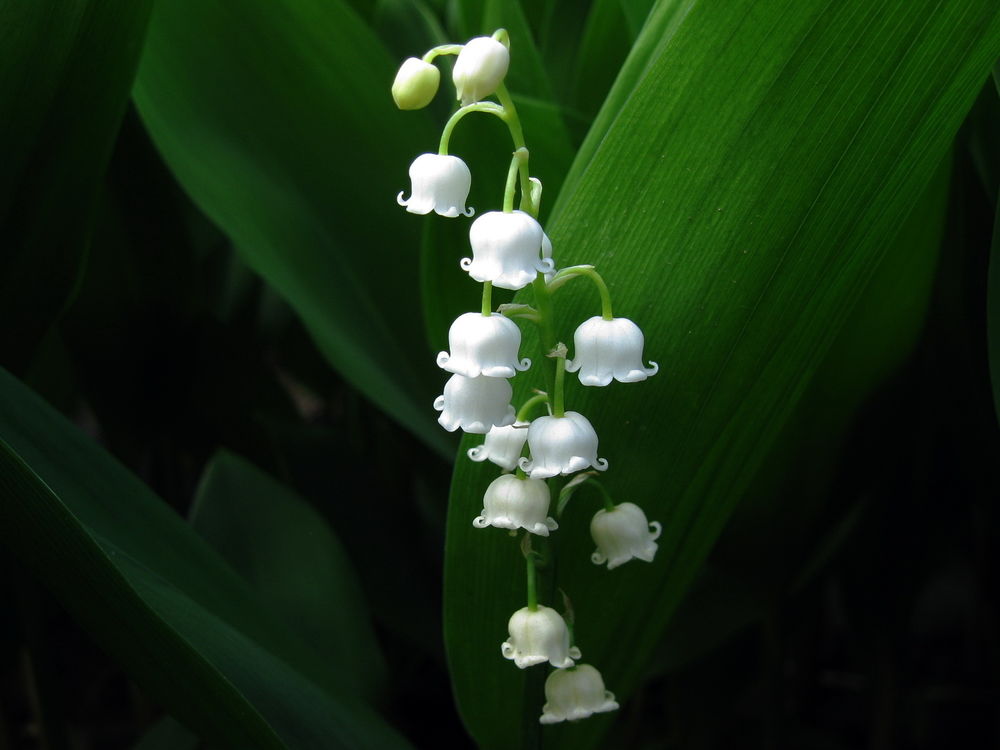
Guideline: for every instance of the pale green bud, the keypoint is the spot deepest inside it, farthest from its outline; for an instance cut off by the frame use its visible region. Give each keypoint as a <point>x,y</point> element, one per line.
<point>416,83</point>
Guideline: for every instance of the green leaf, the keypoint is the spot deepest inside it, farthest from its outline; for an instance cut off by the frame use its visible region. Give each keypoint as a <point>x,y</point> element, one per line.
<point>168,734</point>
<point>790,498</point>
<point>294,563</point>
<point>277,119</point>
<point>738,202</point>
<point>65,74</point>
<point>157,598</point>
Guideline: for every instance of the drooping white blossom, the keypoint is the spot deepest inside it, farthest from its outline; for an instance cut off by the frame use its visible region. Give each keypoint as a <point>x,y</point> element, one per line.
<point>609,349</point>
<point>575,693</point>
<point>483,345</point>
<point>503,446</point>
<point>506,249</point>
<point>561,445</point>
<point>475,404</point>
<point>513,503</point>
<point>439,183</point>
<point>537,636</point>
<point>623,533</point>
<point>479,69</point>
<point>415,84</point>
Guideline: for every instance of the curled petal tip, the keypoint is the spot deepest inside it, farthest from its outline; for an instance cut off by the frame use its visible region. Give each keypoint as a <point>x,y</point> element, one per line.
<point>400,200</point>
<point>551,524</point>
<point>572,365</point>
<point>525,463</point>
<point>601,464</point>
<point>480,522</point>
<point>439,403</point>
<point>653,369</point>
<point>598,559</point>
<point>442,359</point>
<point>657,529</point>
<point>465,263</point>
<point>470,211</point>
<point>478,453</point>
<point>524,364</point>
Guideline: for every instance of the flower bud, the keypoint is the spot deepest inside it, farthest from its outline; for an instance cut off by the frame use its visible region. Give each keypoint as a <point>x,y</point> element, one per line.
<point>483,345</point>
<point>503,446</point>
<point>513,503</point>
<point>621,534</point>
<point>609,349</point>
<point>561,445</point>
<point>416,83</point>
<point>475,404</point>
<point>537,636</point>
<point>575,693</point>
<point>439,183</point>
<point>506,249</point>
<point>479,69</point>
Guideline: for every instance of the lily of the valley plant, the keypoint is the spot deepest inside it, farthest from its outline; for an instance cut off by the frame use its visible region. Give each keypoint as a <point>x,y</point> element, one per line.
<point>510,250</point>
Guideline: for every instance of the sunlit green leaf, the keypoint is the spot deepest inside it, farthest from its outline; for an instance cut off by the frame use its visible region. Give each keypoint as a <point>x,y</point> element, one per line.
<point>738,192</point>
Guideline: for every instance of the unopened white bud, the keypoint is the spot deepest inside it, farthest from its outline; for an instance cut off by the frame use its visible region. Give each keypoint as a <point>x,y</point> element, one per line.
<point>479,69</point>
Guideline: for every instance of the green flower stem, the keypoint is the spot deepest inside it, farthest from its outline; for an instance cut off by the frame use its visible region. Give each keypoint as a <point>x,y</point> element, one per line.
<point>444,49</point>
<point>491,107</point>
<point>572,272</point>
<point>517,135</point>
<point>557,393</point>
<point>546,328</point>
<point>508,191</point>
<point>531,403</point>
<point>605,495</point>
<point>487,299</point>
<point>529,560</point>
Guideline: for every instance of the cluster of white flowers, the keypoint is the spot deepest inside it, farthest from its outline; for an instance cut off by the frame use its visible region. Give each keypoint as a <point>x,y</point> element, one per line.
<point>510,250</point>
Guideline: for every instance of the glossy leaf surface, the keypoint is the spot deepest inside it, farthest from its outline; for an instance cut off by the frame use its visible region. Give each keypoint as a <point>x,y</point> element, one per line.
<point>737,197</point>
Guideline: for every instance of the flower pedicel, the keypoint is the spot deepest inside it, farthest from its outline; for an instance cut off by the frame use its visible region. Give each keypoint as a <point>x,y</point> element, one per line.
<point>510,250</point>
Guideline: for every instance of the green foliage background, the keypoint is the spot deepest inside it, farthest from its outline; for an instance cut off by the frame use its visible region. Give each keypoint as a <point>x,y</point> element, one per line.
<point>220,475</point>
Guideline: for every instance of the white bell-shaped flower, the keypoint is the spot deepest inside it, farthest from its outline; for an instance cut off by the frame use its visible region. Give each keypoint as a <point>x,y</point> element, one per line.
<point>537,636</point>
<point>623,533</point>
<point>415,84</point>
<point>506,249</point>
<point>609,349</point>
<point>479,69</point>
<point>575,693</point>
<point>561,445</point>
<point>503,446</point>
<point>439,183</point>
<point>513,503</point>
<point>483,345</point>
<point>475,404</point>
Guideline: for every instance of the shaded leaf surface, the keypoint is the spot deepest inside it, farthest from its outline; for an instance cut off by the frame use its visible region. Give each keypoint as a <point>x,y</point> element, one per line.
<point>298,163</point>
<point>65,74</point>
<point>292,560</point>
<point>154,595</point>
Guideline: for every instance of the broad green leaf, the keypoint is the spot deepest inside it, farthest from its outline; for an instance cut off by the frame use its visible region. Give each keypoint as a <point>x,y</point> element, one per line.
<point>277,119</point>
<point>294,563</point>
<point>603,49</point>
<point>790,498</point>
<point>158,599</point>
<point>738,202</point>
<point>65,74</point>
